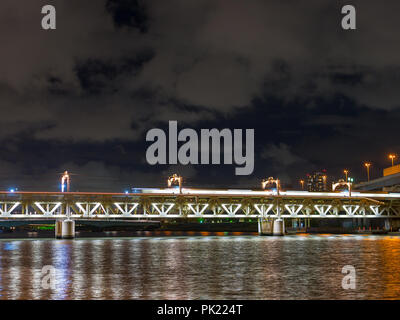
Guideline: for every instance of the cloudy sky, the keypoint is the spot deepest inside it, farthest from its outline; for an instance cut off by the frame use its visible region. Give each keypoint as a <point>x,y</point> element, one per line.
<point>82,97</point>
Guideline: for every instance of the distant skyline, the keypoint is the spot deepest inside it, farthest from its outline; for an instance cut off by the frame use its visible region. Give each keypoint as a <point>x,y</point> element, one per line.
<point>82,97</point>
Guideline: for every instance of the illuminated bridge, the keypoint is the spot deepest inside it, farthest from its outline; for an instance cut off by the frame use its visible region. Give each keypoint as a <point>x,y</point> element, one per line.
<point>269,207</point>
<point>195,203</point>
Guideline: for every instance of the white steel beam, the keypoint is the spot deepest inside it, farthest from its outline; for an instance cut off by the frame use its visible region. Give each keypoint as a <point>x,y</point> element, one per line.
<point>322,209</point>
<point>231,208</point>
<point>164,208</point>
<point>198,208</point>
<point>293,209</point>
<point>263,209</point>
<point>350,209</point>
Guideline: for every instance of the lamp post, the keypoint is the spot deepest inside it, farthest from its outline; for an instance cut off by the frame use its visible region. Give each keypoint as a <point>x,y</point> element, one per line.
<point>392,157</point>
<point>346,172</point>
<point>367,165</point>
<point>302,184</point>
<point>175,178</point>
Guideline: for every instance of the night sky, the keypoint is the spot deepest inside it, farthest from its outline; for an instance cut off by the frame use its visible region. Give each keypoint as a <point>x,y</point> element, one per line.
<point>82,97</point>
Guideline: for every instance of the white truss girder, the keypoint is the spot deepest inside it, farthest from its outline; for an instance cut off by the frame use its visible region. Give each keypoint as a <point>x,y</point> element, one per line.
<point>198,208</point>
<point>231,208</point>
<point>6,210</point>
<point>193,208</point>
<point>88,208</point>
<point>163,208</point>
<point>263,209</point>
<point>49,207</point>
<point>322,209</point>
<point>351,209</point>
<point>126,208</point>
<point>377,210</point>
<point>293,209</point>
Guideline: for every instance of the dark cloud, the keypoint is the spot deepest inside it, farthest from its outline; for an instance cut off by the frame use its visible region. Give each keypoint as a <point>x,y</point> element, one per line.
<point>82,97</point>
<point>128,13</point>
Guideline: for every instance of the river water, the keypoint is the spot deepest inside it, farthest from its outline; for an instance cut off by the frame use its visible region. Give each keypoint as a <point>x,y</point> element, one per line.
<point>201,267</point>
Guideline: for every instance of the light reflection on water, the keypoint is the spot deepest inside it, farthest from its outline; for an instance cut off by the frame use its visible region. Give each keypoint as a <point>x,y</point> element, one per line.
<point>202,267</point>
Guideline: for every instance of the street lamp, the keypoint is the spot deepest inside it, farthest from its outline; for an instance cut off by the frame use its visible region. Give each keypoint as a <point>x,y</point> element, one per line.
<point>269,181</point>
<point>367,165</point>
<point>175,178</point>
<point>346,172</point>
<point>392,157</point>
<point>302,184</point>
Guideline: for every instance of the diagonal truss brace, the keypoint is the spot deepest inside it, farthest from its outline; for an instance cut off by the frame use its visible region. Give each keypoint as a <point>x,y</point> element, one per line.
<point>48,210</point>
<point>351,209</point>
<point>263,209</point>
<point>293,209</point>
<point>88,210</point>
<point>231,209</point>
<point>126,208</point>
<point>163,208</point>
<point>198,209</point>
<point>5,210</point>
<point>376,210</point>
<point>322,209</point>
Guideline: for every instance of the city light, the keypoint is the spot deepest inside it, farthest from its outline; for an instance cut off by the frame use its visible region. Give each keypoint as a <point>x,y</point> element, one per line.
<point>392,157</point>
<point>367,165</point>
<point>346,172</point>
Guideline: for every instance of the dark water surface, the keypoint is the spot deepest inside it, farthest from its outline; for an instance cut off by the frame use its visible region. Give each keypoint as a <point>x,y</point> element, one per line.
<point>202,267</point>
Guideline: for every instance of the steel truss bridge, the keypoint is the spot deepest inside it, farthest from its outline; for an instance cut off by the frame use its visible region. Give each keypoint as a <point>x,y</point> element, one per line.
<point>198,203</point>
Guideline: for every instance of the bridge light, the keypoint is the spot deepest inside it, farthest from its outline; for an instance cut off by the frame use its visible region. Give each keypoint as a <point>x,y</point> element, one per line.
<point>269,181</point>
<point>173,179</point>
<point>367,165</point>
<point>346,172</point>
<point>392,157</point>
<point>65,178</point>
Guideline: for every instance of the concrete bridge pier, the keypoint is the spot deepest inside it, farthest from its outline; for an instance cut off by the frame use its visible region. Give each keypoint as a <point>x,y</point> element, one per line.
<point>58,229</point>
<point>279,227</point>
<point>271,227</point>
<point>265,227</point>
<point>65,229</point>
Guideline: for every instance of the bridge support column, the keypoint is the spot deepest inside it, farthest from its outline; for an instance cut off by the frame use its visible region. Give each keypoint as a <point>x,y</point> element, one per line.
<point>278,227</point>
<point>58,229</point>
<point>265,227</point>
<point>387,224</point>
<point>65,229</point>
<point>68,229</point>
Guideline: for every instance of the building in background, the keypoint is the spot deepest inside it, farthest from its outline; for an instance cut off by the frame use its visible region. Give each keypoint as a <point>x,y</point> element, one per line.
<point>317,181</point>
